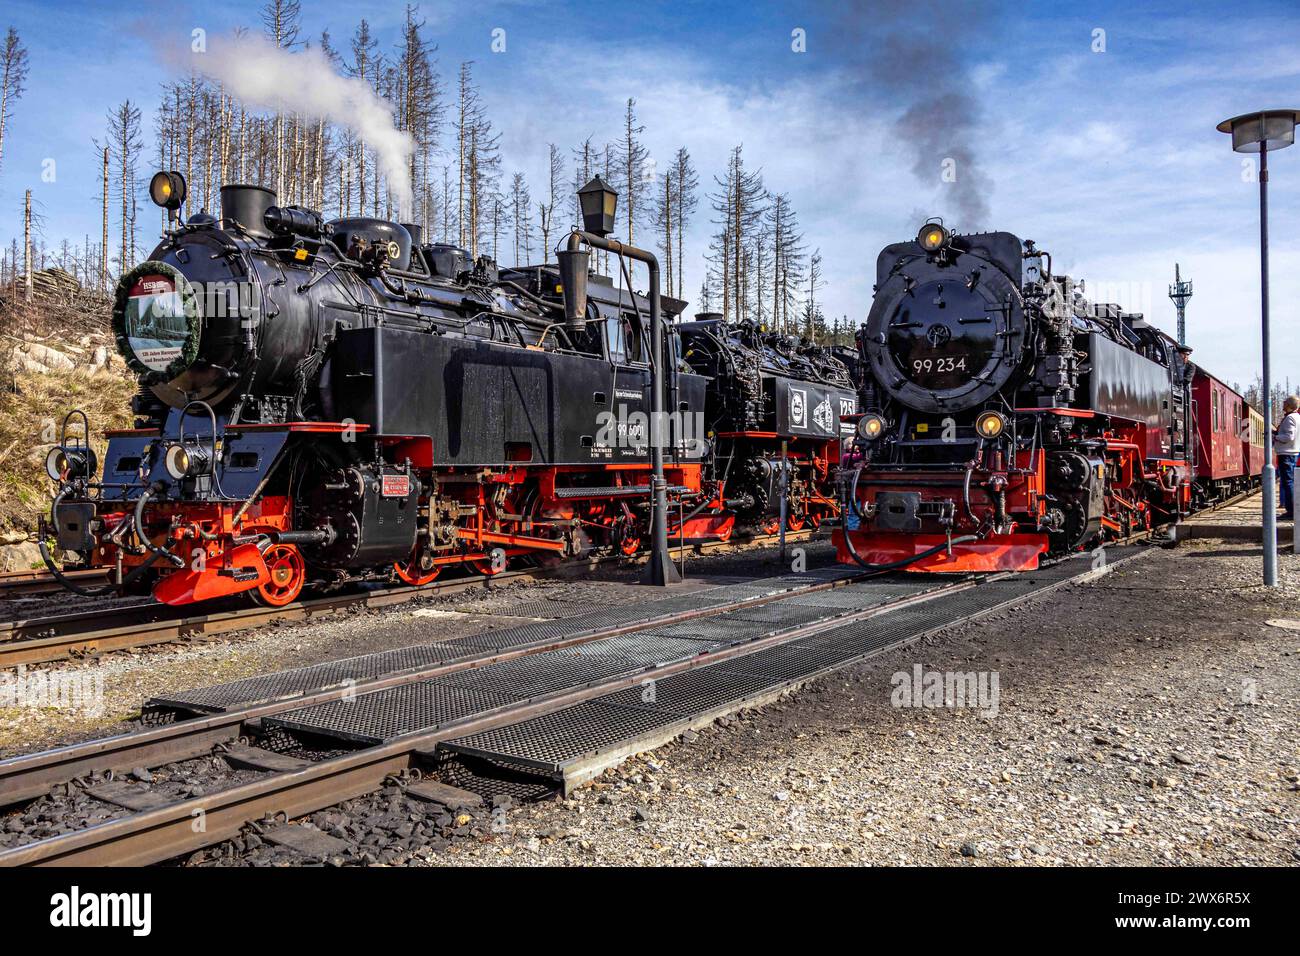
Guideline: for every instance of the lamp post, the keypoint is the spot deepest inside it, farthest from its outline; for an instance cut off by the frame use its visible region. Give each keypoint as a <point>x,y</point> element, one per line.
<point>598,202</point>
<point>1259,133</point>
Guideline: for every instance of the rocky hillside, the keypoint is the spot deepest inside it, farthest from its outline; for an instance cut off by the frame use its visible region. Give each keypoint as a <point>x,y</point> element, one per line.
<point>55,355</point>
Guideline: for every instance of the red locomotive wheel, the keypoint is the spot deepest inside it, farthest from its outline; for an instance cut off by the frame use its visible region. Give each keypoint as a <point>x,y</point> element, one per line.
<point>413,574</point>
<point>794,524</point>
<point>488,568</point>
<point>770,525</point>
<point>629,543</point>
<point>288,575</point>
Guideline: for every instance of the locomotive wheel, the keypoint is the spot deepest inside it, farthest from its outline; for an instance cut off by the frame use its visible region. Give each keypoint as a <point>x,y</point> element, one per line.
<point>288,574</point>
<point>629,542</point>
<point>489,568</point>
<point>413,574</point>
<point>770,525</point>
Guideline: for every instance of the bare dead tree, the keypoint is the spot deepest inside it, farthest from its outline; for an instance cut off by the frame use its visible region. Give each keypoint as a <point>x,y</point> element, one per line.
<point>280,19</point>
<point>520,202</point>
<point>546,210</point>
<point>632,161</point>
<point>685,184</point>
<point>124,139</point>
<point>13,76</point>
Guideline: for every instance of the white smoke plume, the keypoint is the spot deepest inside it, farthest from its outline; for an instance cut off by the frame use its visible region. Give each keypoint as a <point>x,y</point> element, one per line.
<point>264,76</point>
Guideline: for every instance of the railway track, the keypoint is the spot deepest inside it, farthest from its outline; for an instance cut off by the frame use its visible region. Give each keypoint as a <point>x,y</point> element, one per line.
<point>34,582</point>
<point>162,833</point>
<point>163,829</point>
<point>101,630</point>
<point>58,637</point>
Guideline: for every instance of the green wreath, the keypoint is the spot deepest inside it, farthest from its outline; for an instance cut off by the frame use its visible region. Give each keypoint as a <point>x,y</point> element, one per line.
<point>189,302</point>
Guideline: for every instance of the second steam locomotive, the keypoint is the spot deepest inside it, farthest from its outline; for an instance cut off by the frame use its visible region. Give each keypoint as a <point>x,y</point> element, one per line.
<point>1006,417</point>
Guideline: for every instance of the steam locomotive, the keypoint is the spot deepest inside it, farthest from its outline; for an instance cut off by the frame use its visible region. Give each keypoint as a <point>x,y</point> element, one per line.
<point>1006,417</point>
<point>327,402</point>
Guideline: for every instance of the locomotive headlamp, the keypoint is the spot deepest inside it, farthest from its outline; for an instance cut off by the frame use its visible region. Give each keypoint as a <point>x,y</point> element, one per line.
<point>932,237</point>
<point>62,463</point>
<point>186,460</point>
<point>990,425</point>
<point>167,189</point>
<point>870,427</point>
<point>598,203</point>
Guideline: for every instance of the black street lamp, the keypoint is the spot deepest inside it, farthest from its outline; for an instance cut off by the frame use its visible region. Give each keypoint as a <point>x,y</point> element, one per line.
<point>598,203</point>
<point>1259,133</point>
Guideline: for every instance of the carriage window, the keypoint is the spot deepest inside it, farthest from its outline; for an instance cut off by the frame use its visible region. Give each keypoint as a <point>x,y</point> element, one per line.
<point>621,340</point>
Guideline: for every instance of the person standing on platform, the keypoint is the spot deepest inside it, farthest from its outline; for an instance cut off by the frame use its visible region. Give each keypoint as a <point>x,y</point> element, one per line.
<point>1286,443</point>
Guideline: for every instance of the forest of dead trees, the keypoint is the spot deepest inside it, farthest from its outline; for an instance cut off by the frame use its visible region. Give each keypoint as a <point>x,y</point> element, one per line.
<point>758,265</point>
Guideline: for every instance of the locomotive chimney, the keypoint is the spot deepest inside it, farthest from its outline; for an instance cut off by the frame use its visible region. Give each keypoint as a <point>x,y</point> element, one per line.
<point>573,281</point>
<point>246,206</point>
<point>417,234</point>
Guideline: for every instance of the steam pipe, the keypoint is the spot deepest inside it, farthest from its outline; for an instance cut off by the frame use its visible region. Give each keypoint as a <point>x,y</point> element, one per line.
<point>661,570</point>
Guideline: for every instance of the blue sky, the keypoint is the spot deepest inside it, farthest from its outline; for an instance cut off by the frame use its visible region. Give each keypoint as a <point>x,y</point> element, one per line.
<point>1107,158</point>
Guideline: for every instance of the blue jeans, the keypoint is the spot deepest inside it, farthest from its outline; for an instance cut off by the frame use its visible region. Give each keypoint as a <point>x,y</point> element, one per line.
<point>1286,482</point>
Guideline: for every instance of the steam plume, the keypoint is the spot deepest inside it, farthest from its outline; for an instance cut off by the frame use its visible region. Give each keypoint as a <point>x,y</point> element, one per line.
<point>917,54</point>
<point>264,76</point>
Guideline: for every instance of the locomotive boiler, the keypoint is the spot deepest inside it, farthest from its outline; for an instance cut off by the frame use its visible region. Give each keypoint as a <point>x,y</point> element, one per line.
<point>1005,416</point>
<point>324,402</point>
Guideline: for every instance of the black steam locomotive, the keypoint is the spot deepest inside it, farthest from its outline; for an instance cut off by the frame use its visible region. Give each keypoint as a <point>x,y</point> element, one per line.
<point>1005,416</point>
<point>323,402</point>
<point>775,405</point>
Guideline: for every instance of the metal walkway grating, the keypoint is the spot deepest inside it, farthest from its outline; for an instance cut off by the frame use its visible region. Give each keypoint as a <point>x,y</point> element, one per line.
<point>550,741</point>
<point>720,630</point>
<point>369,720</point>
<point>575,742</point>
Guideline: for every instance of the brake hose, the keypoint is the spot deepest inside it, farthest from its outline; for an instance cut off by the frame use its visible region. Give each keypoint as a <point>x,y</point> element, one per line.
<point>161,552</point>
<point>851,496</point>
<point>72,585</point>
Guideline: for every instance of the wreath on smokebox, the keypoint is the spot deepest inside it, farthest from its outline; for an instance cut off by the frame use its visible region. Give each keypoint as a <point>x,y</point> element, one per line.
<point>189,302</point>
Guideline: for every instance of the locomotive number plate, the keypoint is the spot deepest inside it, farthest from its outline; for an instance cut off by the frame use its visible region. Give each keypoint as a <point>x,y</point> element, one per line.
<point>396,486</point>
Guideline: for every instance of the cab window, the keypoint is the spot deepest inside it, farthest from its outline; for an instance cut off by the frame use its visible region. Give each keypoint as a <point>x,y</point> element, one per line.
<point>622,343</point>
